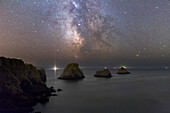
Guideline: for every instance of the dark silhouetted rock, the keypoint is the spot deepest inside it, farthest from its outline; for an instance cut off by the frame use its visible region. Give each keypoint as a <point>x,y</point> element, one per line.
<point>52,89</point>
<point>37,112</point>
<point>21,86</point>
<point>103,73</point>
<point>72,72</point>
<point>59,90</point>
<point>43,100</point>
<point>123,70</point>
<point>42,74</point>
<point>54,95</point>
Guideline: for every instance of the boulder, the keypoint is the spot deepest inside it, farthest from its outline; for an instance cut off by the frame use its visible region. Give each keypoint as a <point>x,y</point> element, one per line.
<point>103,73</point>
<point>52,89</point>
<point>59,90</point>
<point>123,70</point>
<point>53,94</point>
<point>37,112</point>
<point>72,72</point>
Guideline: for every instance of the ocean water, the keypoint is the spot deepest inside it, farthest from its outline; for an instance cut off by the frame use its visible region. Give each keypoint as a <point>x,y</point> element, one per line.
<point>143,91</point>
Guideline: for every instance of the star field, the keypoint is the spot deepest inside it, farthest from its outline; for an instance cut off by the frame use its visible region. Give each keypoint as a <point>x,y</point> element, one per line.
<point>90,32</point>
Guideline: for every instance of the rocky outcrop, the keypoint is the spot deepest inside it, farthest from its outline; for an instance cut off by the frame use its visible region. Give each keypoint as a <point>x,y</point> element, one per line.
<point>103,73</point>
<point>59,90</point>
<point>123,70</point>
<point>72,72</point>
<point>43,75</point>
<point>21,86</point>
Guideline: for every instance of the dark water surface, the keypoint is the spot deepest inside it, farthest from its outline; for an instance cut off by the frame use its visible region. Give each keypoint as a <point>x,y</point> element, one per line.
<point>143,91</point>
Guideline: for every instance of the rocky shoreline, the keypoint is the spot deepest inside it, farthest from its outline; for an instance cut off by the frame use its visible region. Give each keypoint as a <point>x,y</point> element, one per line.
<point>22,86</point>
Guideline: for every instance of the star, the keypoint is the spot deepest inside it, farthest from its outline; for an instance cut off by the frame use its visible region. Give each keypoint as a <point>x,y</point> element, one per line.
<point>86,31</point>
<point>157,7</point>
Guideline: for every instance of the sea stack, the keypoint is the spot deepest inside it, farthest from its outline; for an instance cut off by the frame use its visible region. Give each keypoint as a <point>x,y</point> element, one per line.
<point>123,70</point>
<point>103,73</point>
<point>72,72</point>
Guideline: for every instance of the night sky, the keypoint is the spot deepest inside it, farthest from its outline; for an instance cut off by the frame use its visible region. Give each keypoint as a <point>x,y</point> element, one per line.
<point>90,32</point>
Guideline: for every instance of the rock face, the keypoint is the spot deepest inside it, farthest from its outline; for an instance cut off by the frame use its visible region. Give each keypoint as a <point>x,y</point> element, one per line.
<point>103,73</point>
<point>123,70</point>
<point>72,72</point>
<point>21,86</point>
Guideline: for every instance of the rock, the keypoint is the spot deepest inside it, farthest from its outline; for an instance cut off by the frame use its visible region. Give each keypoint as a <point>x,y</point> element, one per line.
<point>59,90</point>
<point>72,72</point>
<point>42,74</point>
<point>123,70</point>
<point>103,73</point>
<point>37,112</point>
<point>43,100</point>
<point>52,89</point>
<point>54,95</point>
<point>20,86</point>
<point>15,106</point>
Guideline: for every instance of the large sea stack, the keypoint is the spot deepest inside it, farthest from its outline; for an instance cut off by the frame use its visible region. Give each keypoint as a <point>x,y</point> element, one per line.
<point>72,72</point>
<point>103,73</point>
<point>21,86</point>
<point>123,70</point>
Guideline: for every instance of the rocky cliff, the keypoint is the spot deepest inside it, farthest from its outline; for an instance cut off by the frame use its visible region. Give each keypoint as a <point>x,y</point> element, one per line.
<point>21,86</point>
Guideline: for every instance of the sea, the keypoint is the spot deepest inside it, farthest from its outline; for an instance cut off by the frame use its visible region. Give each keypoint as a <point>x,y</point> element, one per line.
<point>145,90</point>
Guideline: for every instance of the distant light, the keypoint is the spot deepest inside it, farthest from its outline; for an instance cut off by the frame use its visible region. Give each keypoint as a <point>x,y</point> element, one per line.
<point>166,67</point>
<point>124,67</point>
<point>114,67</point>
<point>55,68</point>
<point>105,67</point>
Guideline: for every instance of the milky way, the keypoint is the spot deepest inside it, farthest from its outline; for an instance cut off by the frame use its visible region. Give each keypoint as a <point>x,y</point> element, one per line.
<point>91,32</point>
<point>84,27</point>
